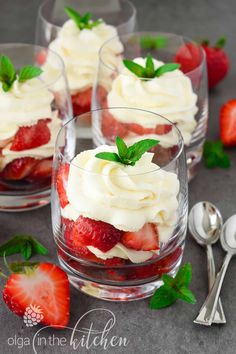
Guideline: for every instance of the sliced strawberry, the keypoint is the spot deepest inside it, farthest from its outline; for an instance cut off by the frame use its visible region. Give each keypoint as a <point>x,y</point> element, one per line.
<point>41,57</point>
<point>145,239</point>
<point>19,168</point>
<point>31,137</point>
<point>188,56</point>
<point>81,101</point>
<point>61,183</point>
<point>111,128</point>
<point>160,129</point>
<point>46,286</point>
<point>94,233</point>
<point>43,169</point>
<point>228,123</point>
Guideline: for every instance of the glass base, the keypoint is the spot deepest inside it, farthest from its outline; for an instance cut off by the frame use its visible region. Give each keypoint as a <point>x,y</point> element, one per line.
<point>14,203</point>
<point>115,293</point>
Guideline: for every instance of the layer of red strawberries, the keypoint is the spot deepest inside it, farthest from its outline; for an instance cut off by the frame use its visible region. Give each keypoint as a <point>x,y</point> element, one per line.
<point>28,137</point>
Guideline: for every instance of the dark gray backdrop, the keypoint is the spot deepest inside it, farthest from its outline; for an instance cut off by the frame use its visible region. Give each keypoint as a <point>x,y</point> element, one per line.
<point>171,330</point>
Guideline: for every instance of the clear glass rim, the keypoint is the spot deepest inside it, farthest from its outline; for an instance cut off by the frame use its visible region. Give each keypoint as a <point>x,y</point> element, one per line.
<point>138,34</point>
<point>43,18</point>
<point>45,84</point>
<point>180,142</point>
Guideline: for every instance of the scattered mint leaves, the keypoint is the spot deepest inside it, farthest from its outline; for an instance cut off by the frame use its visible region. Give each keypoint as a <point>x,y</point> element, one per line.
<point>149,72</point>
<point>82,22</point>
<point>150,42</point>
<point>8,73</point>
<point>214,155</point>
<point>128,155</point>
<point>29,72</point>
<point>174,289</point>
<point>24,244</point>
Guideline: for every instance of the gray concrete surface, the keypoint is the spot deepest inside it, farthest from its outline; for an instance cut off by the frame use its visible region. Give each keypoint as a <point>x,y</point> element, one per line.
<point>169,331</point>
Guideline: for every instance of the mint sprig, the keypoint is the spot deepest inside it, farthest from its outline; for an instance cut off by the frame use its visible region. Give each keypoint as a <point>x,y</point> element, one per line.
<point>214,155</point>
<point>174,289</point>
<point>149,71</point>
<point>84,21</point>
<point>128,155</point>
<point>23,244</point>
<point>8,73</point>
<point>151,42</point>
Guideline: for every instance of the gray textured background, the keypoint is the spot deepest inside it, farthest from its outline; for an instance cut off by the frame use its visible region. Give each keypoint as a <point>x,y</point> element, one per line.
<point>170,330</point>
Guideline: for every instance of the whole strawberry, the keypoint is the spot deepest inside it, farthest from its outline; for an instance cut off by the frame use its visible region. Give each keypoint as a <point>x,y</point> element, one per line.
<point>217,61</point>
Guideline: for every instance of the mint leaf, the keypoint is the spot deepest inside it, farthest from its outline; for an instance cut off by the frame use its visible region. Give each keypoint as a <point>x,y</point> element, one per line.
<point>121,146</point>
<point>186,295</point>
<point>74,15</point>
<point>128,155</point>
<point>29,72</point>
<point>26,250</point>
<point>174,288</point>
<point>82,22</point>
<point>163,297</point>
<point>109,156</point>
<point>150,69</point>
<point>166,68</point>
<point>136,150</point>
<point>184,276</point>
<point>24,244</point>
<point>214,155</point>
<point>7,73</point>
<point>135,68</point>
<point>149,42</point>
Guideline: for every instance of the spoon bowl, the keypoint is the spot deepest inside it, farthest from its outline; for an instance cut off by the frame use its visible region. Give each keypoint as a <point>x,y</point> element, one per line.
<point>228,235</point>
<point>205,223</point>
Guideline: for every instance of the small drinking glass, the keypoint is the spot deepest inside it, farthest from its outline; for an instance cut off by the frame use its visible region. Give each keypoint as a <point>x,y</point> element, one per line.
<point>31,114</point>
<point>103,275</point>
<point>180,97</point>
<point>79,48</point>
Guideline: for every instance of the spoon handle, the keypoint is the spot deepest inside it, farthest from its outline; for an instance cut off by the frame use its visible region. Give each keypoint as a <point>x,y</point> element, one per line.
<point>206,314</point>
<point>219,316</point>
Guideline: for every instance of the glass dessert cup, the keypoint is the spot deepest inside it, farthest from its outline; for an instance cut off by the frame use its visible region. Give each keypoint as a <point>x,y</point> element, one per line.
<point>115,278</point>
<point>181,96</point>
<point>121,14</point>
<point>31,117</point>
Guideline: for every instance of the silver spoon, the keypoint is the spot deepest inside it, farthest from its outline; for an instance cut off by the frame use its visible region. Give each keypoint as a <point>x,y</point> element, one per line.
<point>228,242</point>
<point>205,225</point>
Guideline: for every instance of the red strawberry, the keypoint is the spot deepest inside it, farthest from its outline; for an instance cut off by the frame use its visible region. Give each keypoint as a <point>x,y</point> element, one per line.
<point>45,286</point>
<point>61,183</point>
<point>111,128</point>
<point>228,123</point>
<point>160,129</point>
<point>94,233</point>
<point>19,168</point>
<point>31,137</point>
<point>43,169</point>
<point>41,57</point>
<point>145,239</point>
<point>188,56</point>
<point>81,101</point>
<point>217,62</point>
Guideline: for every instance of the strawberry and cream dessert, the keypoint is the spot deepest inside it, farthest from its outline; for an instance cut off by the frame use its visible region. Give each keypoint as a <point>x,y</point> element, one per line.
<point>78,44</point>
<point>28,127</point>
<point>117,208</point>
<point>151,85</point>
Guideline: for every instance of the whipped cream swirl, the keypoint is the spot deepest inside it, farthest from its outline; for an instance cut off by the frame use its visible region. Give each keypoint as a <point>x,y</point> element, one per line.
<point>170,95</point>
<point>126,197</point>
<point>79,50</point>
